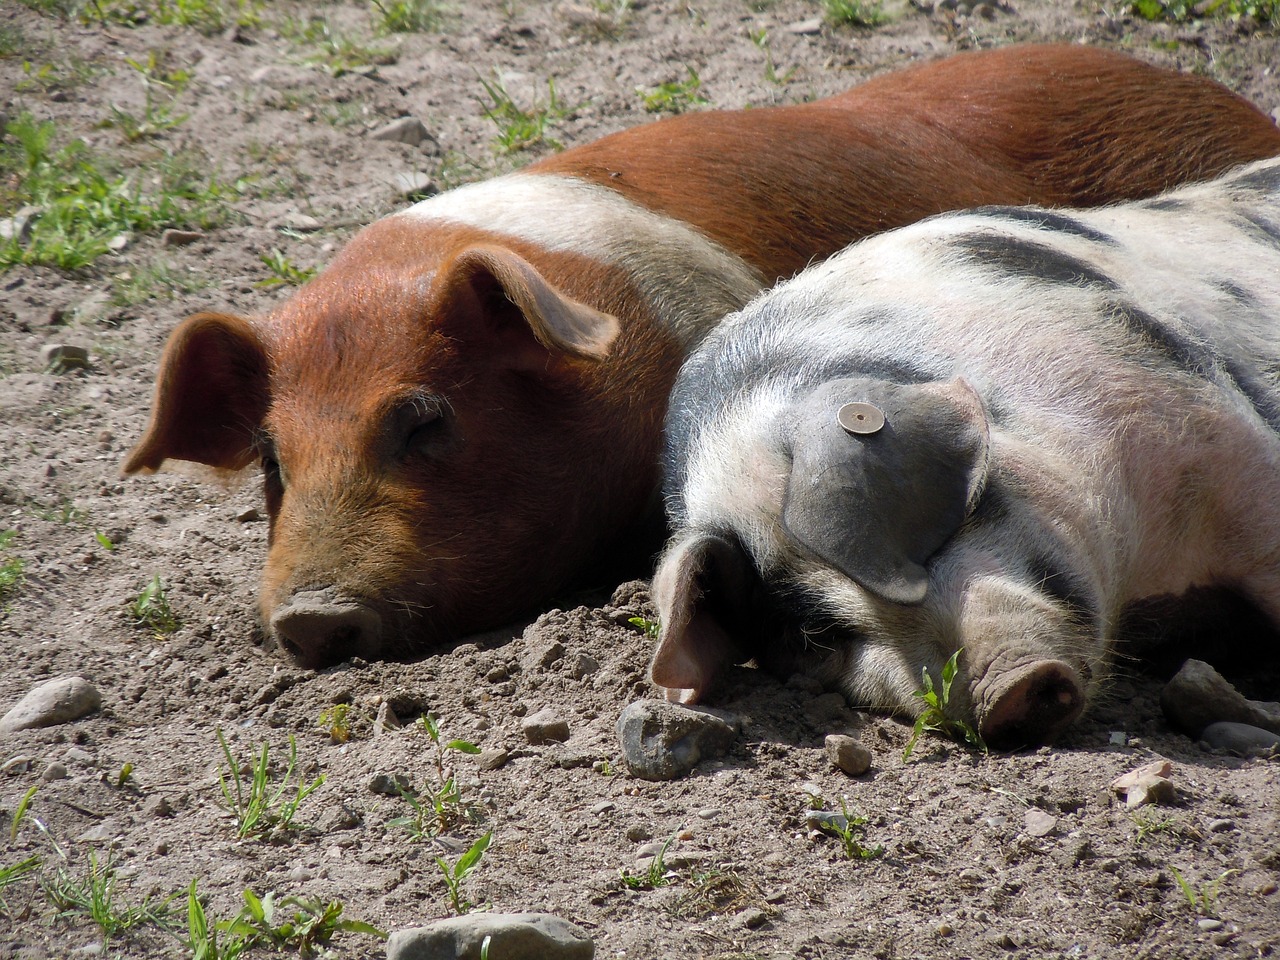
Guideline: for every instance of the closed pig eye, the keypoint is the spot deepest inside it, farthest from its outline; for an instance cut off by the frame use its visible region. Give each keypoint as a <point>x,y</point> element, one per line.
<point>419,424</point>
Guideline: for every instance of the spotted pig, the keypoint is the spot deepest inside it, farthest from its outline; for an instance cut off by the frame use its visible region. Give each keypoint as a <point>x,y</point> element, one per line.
<point>991,432</point>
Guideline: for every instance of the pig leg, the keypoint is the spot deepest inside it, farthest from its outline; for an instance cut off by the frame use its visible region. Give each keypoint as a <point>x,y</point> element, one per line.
<point>1024,653</point>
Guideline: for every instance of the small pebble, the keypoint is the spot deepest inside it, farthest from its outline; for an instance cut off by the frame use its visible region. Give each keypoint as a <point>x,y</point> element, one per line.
<point>638,832</point>
<point>1221,826</point>
<point>492,759</point>
<point>604,806</point>
<point>54,771</point>
<point>753,917</point>
<point>53,702</point>
<point>1037,823</point>
<point>709,813</point>
<point>157,807</point>
<point>848,754</point>
<point>388,785</point>
<point>20,763</point>
<point>945,929</point>
<point>1209,924</point>
<point>1118,738</point>
<point>545,726</point>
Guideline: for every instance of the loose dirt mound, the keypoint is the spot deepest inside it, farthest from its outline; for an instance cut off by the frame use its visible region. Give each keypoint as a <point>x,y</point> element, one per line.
<point>1013,856</point>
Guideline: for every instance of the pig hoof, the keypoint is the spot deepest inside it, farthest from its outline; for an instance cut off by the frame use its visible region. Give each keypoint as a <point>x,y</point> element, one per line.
<point>317,631</point>
<point>1031,705</point>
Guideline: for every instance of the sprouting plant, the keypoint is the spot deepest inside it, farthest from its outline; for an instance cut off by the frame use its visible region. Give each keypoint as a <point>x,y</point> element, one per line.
<point>14,872</point>
<point>848,828</point>
<point>454,874</point>
<point>654,876</point>
<point>283,270</point>
<point>126,772</point>
<point>650,628</point>
<point>439,805</point>
<point>1264,11</point>
<point>335,720</point>
<point>519,128</point>
<point>933,718</point>
<point>1150,823</point>
<point>11,568</point>
<point>675,96</point>
<point>20,812</point>
<point>94,896</point>
<point>291,923</point>
<point>1203,899</point>
<point>104,541</point>
<point>256,807</point>
<point>411,16</point>
<point>857,13</point>
<point>760,38</point>
<point>202,933</point>
<point>151,609</point>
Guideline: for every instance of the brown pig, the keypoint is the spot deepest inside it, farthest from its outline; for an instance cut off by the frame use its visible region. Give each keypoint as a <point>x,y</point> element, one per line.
<point>462,413</point>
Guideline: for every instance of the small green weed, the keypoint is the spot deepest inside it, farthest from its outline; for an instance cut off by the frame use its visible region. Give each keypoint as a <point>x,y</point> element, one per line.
<point>606,19</point>
<point>676,96</point>
<point>341,54</point>
<point>933,718</point>
<point>291,924</point>
<point>14,872</point>
<point>202,933</point>
<point>124,776</point>
<point>12,569</point>
<point>104,541</point>
<point>761,39</point>
<point>439,805</point>
<point>855,13</point>
<point>851,833</point>
<point>156,118</point>
<point>518,128</point>
<point>65,513</point>
<point>283,270</point>
<point>655,875</point>
<point>1202,899</point>
<point>12,41</point>
<point>454,874</point>
<point>335,720</point>
<point>1149,823</point>
<point>152,281</point>
<point>207,17</point>
<point>94,896</point>
<point>650,628</point>
<point>256,807</point>
<point>151,609</point>
<point>20,812</point>
<point>1264,11</point>
<point>411,16</point>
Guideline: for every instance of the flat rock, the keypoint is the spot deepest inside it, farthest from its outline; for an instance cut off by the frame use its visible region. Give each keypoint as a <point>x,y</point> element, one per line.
<point>1037,823</point>
<point>545,726</point>
<point>662,741</point>
<point>512,936</point>
<point>1242,739</point>
<point>60,700</point>
<point>408,130</point>
<point>1147,784</point>
<point>1199,696</point>
<point>57,357</point>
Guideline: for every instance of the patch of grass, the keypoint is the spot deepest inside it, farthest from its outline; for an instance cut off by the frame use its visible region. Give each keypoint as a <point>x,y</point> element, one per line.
<point>20,812</point>
<point>12,40</point>
<point>1203,898</point>
<point>94,896</point>
<point>283,270</point>
<point>208,17</point>
<point>676,96</point>
<point>456,872</point>
<point>439,805</point>
<point>518,128</point>
<point>855,13</point>
<point>55,8</point>
<point>933,718</point>
<point>1149,823</point>
<point>67,75</point>
<point>339,53</point>
<point>606,19</point>
<point>761,39</point>
<point>411,16</point>
<point>81,205</point>
<point>1178,11</point>
<point>850,833</point>
<point>151,609</point>
<point>202,933</point>
<point>12,569</point>
<point>65,513</point>
<point>655,876</point>
<point>152,281</point>
<point>256,807</point>
<point>719,892</point>
<point>292,924</point>
<point>14,872</point>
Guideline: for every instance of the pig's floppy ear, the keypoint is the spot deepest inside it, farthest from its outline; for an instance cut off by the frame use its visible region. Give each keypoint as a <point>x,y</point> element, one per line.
<point>883,475</point>
<point>211,395</point>
<point>698,577</point>
<point>494,297</point>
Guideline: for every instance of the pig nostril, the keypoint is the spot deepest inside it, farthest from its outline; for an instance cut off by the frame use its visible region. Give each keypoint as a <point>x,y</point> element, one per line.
<point>1031,705</point>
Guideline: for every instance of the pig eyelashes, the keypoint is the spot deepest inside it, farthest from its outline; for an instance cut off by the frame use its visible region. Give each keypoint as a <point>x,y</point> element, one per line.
<point>418,424</point>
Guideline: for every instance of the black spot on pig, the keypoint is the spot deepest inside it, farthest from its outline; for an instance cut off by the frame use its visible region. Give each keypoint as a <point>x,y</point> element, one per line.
<point>1028,259</point>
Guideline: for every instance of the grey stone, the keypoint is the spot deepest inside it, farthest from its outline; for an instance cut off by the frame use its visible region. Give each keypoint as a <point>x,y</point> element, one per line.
<point>57,357</point>
<point>805,28</point>
<point>388,785</point>
<point>55,701</point>
<point>54,771</point>
<point>415,184</point>
<point>1242,739</point>
<point>540,656</point>
<point>408,130</point>
<point>492,759</point>
<point>512,936</point>
<point>545,726</point>
<point>848,754</point>
<point>1199,696</point>
<point>662,741</point>
<point>19,225</point>
<point>1037,823</point>
<point>583,665</point>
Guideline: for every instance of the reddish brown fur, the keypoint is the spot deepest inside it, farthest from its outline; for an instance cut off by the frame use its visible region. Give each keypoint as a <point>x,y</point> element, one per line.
<point>1058,125</point>
<point>545,456</point>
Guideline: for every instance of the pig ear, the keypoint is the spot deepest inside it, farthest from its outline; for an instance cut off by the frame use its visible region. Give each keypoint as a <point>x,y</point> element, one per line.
<point>497,298</point>
<point>879,496</point>
<point>697,578</point>
<point>210,396</point>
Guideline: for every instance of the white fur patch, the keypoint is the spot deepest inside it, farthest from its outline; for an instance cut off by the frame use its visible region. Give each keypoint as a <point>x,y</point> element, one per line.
<point>691,281</point>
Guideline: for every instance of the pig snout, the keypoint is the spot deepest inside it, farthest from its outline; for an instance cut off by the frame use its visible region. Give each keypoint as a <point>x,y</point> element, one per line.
<point>1027,701</point>
<point>318,628</point>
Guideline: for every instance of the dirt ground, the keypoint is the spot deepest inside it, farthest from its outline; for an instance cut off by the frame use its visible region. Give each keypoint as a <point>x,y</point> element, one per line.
<point>280,111</point>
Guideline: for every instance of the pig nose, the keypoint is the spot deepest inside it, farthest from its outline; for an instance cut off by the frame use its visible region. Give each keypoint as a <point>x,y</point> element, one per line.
<point>319,630</point>
<point>1030,704</point>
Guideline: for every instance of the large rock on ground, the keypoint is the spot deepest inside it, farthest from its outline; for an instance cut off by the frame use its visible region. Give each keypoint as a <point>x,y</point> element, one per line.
<point>512,936</point>
<point>60,700</point>
<point>662,741</point>
<point>1199,696</point>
